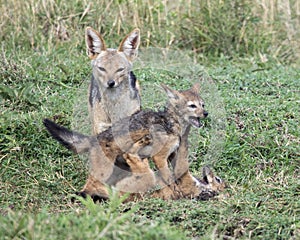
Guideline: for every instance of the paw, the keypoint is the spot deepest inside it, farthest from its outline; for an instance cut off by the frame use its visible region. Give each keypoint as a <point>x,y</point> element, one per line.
<point>146,140</point>
<point>79,194</point>
<point>131,158</point>
<point>95,197</point>
<point>98,198</point>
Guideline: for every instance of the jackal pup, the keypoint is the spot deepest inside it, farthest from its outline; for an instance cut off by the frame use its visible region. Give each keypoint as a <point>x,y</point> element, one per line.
<point>188,186</point>
<point>165,129</point>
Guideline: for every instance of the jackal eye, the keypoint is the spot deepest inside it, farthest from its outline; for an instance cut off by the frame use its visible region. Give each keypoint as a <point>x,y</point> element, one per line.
<point>218,179</point>
<point>203,105</point>
<point>120,70</point>
<point>192,106</point>
<point>102,69</point>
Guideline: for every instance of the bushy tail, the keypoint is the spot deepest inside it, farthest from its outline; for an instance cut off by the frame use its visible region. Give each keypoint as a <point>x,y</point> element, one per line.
<point>74,141</point>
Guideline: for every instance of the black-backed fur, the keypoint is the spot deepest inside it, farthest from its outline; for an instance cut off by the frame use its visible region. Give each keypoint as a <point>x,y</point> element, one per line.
<point>132,80</point>
<point>142,120</point>
<point>95,95</point>
<point>132,84</point>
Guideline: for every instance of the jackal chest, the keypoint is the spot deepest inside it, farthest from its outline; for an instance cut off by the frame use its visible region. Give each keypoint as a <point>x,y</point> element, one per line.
<point>118,103</point>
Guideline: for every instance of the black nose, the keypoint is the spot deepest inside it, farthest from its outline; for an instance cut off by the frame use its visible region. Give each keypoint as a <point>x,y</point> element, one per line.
<point>205,114</point>
<point>111,83</point>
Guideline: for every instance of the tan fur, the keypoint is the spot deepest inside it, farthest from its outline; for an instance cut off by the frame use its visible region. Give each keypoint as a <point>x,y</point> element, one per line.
<point>142,175</point>
<point>142,179</point>
<point>93,188</point>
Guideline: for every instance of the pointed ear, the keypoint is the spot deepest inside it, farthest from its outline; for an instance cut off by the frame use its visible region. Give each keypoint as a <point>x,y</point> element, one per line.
<point>172,94</point>
<point>94,43</point>
<point>196,87</point>
<point>208,174</point>
<point>130,44</point>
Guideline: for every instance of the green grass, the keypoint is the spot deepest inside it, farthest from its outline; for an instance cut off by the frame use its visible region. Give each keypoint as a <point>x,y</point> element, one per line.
<point>97,222</point>
<point>257,151</point>
<point>260,159</point>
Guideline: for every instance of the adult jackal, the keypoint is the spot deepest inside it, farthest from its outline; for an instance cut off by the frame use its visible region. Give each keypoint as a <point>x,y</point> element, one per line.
<point>113,92</point>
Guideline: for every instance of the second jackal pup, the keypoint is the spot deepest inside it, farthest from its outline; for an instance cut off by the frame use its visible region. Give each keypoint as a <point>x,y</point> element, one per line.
<point>162,130</point>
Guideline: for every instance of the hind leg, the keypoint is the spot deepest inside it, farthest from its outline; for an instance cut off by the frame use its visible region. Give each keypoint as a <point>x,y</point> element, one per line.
<point>161,162</point>
<point>100,169</point>
<point>94,188</point>
<point>142,178</point>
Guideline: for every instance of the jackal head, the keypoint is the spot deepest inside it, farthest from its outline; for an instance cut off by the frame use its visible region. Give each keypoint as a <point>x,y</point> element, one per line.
<point>211,181</point>
<point>210,184</point>
<point>187,104</point>
<point>112,66</point>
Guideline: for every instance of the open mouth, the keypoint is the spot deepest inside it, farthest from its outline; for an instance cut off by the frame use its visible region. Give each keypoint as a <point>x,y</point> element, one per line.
<point>195,121</point>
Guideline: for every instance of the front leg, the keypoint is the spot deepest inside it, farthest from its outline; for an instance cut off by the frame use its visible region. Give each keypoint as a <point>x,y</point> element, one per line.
<point>160,160</point>
<point>188,185</point>
<point>180,161</point>
<point>165,146</point>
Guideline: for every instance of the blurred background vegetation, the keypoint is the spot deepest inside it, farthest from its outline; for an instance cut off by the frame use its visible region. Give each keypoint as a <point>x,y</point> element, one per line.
<point>209,28</point>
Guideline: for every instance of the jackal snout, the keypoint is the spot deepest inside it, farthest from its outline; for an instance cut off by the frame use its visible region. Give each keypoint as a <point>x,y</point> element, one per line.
<point>111,83</point>
<point>196,120</point>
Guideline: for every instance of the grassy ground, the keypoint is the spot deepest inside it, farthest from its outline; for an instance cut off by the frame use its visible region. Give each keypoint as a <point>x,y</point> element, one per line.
<point>260,160</point>
<point>259,156</point>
